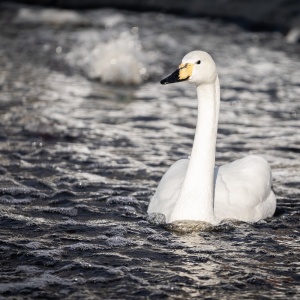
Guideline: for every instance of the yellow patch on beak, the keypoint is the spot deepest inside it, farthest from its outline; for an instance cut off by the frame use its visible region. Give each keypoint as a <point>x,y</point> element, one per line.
<point>185,71</point>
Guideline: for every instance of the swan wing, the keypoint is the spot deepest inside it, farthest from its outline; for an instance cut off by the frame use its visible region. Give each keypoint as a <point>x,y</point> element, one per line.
<point>243,190</point>
<point>166,194</point>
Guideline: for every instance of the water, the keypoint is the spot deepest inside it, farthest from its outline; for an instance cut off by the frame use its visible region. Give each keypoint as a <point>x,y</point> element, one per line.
<point>80,158</point>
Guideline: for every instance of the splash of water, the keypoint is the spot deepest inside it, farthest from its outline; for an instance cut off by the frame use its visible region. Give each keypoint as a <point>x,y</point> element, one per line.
<point>118,62</point>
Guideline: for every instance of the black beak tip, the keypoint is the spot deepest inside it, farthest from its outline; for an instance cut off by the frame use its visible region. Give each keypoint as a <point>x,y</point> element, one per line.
<point>174,77</point>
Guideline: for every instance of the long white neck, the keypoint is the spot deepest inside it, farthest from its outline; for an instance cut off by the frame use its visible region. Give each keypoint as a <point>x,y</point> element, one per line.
<point>195,201</point>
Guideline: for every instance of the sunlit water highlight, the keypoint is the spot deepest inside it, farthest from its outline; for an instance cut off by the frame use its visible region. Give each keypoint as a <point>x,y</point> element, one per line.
<point>80,159</point>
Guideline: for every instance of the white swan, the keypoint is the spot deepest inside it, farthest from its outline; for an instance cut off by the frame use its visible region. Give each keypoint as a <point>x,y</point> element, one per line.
<point>194,189</point>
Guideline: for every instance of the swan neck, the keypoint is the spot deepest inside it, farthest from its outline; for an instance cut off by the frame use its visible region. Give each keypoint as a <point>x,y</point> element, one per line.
<point>195,200</point>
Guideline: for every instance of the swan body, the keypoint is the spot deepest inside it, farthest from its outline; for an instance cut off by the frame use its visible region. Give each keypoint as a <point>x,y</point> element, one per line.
<point>194,189</point>
<point>239,192</point>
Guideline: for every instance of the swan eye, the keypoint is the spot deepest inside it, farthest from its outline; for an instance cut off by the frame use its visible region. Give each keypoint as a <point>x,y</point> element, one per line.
<point>198,62</point>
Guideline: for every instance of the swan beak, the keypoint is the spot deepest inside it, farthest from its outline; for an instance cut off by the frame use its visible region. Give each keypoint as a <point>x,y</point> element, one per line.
<point>184,72</point>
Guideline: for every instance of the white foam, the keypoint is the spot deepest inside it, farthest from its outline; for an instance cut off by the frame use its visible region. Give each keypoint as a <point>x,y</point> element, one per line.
<point>50,254</point>
<point>33,245</point>
<point>11,200</point>
<point>83,247</point>
<point>119,61</point>
<point>48,16</point>
<point>67,211</point>
<point>123,200</point>
<point>119,241</point>
<point>33,283</point>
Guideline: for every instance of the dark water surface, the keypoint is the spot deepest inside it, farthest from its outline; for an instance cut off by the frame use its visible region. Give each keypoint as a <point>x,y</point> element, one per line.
<point>80,158</point>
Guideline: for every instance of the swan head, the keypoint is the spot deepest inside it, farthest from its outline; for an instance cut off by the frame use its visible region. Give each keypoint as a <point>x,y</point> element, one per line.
<point>197,67</point>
